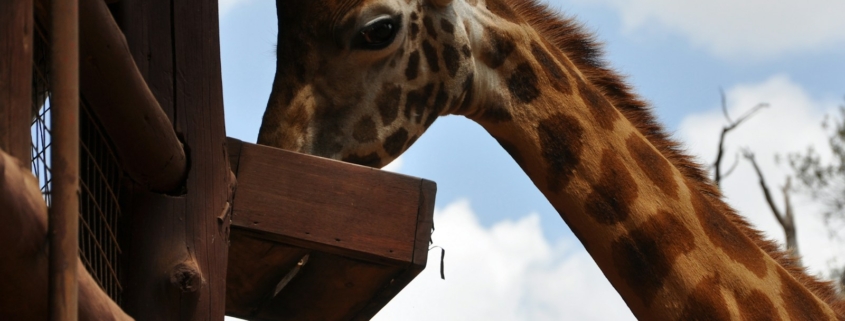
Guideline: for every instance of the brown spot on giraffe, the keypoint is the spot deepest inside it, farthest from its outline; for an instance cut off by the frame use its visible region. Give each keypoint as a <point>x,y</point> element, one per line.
<point>497,49</point>
<point>364,130</point>
<point>370,160</point>
<point>465,50</point>
<point>413,65</point>
<point>496,112</point>
<point>447,26</point>
<point>451,59</point>
<point>725,235</point>
<point>416,101</point>
<point>328,139</point>
<point>440,102</point>
<point>395,142</point>
<point>430,56</point>
<point>561,141</point>
<point>512,149</point>
<point>414,16</point>
<point>553,72</point>
<point>706,302</point>
<point>432,116</point>
<point>503,10</point>
<point>601,109</point>
<point>646,255</point>
<point>653,164</point>
<point>388,102</point>
<point>609,201</point>
<point>414,30</point>
<point>798,300</point>
<point>522,83</point>
<point>429,28</point>
<point>755,306</point>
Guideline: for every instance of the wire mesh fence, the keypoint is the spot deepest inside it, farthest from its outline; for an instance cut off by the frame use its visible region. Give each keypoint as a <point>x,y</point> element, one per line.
<point>100,177</point>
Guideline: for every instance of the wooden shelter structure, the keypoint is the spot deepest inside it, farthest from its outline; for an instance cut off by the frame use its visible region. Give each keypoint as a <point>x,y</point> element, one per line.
<point>171,220</point>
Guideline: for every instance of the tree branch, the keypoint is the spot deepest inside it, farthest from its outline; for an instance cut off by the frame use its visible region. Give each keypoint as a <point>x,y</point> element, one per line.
<point>750,156</point>
<point>717,165</point>
<point>785,219</point>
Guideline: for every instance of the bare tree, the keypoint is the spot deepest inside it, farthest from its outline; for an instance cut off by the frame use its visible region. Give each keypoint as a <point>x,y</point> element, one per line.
<point>785,219</point>
<point>717,165</point>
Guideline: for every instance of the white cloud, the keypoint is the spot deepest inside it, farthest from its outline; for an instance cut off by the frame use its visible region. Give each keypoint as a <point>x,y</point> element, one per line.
<point>790,124</point>
<point>509,271</point>
<point>226,6</point>
<point>747,28</point>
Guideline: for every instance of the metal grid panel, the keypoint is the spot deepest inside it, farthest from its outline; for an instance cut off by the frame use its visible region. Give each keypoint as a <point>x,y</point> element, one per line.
<point>100,177</point>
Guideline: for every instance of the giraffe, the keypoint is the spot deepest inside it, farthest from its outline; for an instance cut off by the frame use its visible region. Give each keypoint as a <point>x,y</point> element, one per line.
<point>361,80</point>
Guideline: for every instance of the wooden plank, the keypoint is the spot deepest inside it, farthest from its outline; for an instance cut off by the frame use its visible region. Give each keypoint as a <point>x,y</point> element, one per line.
<point>425,224</point>
<point>114,89</point>
<point>327,205</point>
<point>16,27</point>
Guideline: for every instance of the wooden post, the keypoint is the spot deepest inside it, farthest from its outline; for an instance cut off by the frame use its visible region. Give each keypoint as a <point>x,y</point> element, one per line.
<point>177,248</point>
<point>63,219</point>
<point>15,77</point>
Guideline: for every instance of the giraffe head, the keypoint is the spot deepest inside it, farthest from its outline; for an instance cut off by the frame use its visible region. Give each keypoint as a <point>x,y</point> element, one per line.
<point>361,80</point>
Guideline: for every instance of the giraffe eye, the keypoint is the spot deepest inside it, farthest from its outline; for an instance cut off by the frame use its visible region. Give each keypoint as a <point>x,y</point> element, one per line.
<point>377,34</point>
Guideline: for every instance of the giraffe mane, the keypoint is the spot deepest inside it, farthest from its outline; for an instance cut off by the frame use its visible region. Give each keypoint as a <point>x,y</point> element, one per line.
<point>586,53</point>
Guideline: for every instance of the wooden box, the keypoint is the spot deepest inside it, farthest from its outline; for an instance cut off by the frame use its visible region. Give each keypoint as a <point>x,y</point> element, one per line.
<point>317,239</point>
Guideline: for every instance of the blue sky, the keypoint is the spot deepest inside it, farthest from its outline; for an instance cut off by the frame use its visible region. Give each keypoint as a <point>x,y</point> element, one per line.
<point>677,55</point>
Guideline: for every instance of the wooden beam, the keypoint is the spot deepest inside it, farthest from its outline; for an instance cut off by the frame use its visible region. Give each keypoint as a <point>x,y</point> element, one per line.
<point>23,256</point>
<point>63,219</point>
<point>178,245</point>
<point>15,77</point>
<point>114,89</point>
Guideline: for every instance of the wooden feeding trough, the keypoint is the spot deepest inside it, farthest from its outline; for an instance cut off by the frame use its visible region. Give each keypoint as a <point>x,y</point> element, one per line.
<point>317,239</point>
<point>170,228</point>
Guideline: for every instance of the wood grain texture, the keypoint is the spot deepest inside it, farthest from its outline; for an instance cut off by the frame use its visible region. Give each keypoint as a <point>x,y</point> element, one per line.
<point>115,91</point>
<point>327,204</point>
<point>63,215</point>
<point>177,248</point>
<point>366,231</point>
<point>16,27</point>
<point>425,225</point>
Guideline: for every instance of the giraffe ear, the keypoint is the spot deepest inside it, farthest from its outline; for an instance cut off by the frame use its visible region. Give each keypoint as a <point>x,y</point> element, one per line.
<point>440,3</point>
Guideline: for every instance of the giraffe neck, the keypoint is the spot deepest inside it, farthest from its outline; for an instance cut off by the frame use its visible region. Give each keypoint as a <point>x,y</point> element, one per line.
<point>665,240</point>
